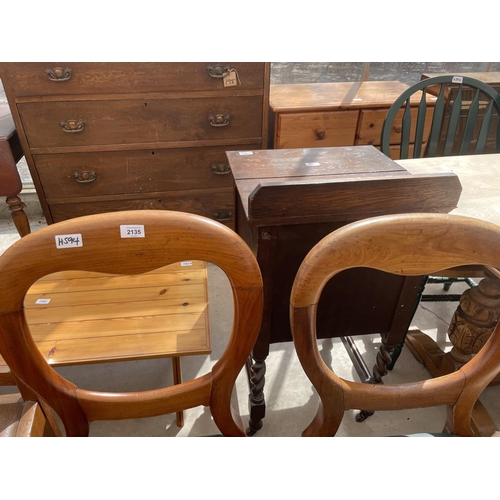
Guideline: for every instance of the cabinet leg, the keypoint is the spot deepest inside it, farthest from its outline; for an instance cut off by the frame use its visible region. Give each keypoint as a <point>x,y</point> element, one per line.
<point>383,360</point>
<point>18,215</point>
<point>256,401</point>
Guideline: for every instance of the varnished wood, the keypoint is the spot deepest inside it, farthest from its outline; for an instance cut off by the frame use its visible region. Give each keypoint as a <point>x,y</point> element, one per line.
<point>18,214</point>
<point>146,133</point>
<point>129,172</point>
<point>19,418</point>
<point>333,184</point>
<point>114,78</point>
<point>477,174</point>
<point>141,318</point>
<point>493,80</point>
<point>371,123</point>
<point>334,114</point>
<point>170,237</point>
<point>116,122</point>
<point>313,130</point>
<point>410,244</point>
<point>461,121</point>
<point>10,181</point>
<point>215,203</point>
<point>163,313</point>
<point>334,96</point>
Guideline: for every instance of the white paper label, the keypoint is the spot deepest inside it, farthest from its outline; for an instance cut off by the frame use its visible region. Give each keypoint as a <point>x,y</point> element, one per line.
<point>42,301</point>
<point>69,240</point>
<point>136,231</point>
<point>245,153</point>
<point>187,263</point>
<point>316,164</point>
<point>457,79</point>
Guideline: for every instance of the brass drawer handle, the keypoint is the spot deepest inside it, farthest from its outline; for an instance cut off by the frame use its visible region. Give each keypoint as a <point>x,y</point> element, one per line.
<point>72,126</point>
<point>218,71</point>
<point>221,169</point>
<point>85,177</point>
<point>223,216</point>
<point>59,74</point>
<point>320,133</point>
<point>219,120</point>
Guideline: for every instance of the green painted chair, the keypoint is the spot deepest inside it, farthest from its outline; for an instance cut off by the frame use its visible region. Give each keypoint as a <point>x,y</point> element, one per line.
<point>464,121</point>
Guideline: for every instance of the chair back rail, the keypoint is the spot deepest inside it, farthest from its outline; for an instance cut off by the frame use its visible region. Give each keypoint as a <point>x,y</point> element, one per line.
<point>409,245</point>
<point>169,237</point>
<point>480,106</point>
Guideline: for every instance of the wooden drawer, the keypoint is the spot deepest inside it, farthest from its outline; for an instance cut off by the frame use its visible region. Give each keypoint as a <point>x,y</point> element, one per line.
<point>116,78</point>
<point>139,121</point>
<point>216,204</point>
<point>371,122</point>
<point>314,130</point>
<point>127,172</point>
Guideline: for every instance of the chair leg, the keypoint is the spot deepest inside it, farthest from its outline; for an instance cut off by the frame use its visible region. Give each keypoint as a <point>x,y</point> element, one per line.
<point>18,215</point>
<point>176,365</point>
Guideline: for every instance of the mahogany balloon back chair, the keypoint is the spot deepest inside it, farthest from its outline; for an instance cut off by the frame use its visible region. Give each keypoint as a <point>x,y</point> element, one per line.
<point>98,246</point>
<point>415,244</point>
<point>10,181</point>
<point>463,120</point>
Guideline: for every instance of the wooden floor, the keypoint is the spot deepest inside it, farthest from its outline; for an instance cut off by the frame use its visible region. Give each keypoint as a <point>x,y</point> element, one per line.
<point>81,318</point>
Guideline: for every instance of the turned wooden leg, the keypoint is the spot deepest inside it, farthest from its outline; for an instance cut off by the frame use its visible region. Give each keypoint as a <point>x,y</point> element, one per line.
<point>18,215</point>
<point>475,317</point>
<point>176,365</point>
<point>256,401</point>
<point>393,341</point>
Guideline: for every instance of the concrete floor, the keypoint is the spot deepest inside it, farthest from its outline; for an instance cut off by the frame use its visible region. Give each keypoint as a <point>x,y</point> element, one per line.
<point>291,400</point>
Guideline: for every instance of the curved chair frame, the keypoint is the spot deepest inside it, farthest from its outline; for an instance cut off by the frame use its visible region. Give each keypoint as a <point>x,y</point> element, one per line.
<point>437,119</point>
<point>170,237</point>
<point>415,244</point>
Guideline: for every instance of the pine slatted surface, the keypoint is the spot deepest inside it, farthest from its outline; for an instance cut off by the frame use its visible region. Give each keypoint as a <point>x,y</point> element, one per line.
<point>94,318</point>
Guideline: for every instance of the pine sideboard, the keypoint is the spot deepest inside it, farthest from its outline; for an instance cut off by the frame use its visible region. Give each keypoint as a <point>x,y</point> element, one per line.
<point>319,115</point>
<point>103,137</point>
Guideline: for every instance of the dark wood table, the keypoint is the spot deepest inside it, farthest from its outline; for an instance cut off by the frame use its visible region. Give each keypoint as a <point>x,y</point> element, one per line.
<point>288,200</point>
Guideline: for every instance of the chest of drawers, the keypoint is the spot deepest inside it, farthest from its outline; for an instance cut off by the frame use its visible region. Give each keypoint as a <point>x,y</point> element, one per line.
<point>102,137</point>
<point>335,114</point>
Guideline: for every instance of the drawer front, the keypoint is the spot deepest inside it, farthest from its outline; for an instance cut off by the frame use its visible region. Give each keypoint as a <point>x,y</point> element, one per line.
<point>371,122</point>
<point>128,172</point>
<point>92,123</point>
<point>316,130</point>
<point>31,79</point>
<point>217,204</point>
